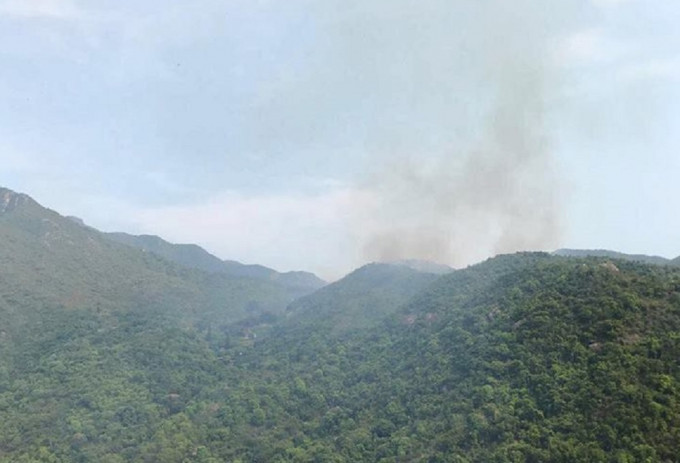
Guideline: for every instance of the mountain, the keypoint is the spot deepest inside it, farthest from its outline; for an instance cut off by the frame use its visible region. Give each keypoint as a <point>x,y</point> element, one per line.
<point>362,298</point>
<point>115,355</point>
<point>527,357</point>
<point>101,340</point>
<point>9,200</point>
<point>655,260</point>
<point>193,256</point>
<point>53,262</point>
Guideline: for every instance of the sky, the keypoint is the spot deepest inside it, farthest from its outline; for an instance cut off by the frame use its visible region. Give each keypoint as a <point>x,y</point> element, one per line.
<point>324,134</point>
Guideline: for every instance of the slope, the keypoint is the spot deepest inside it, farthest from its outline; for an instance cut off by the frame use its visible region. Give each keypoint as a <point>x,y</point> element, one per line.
<point>526,357</point>
<point>360,299</point>
<point>103,345</point>
<point>521,358</point>
<point>655,260</point>
<point>51,261</point>
<point>194,256</point>
<point>424,266</point>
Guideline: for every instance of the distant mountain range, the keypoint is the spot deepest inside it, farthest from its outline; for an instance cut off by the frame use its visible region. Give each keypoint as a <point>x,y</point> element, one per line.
<point>194,256</point>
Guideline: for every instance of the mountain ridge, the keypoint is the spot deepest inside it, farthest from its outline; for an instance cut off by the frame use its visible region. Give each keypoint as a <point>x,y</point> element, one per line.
<point>112,354</point>
<point>362,298</point>
<point>10,200</point>
<point>65,264</point>
<point>656,260</point>
<point>425,266</point>
<point>194,256</point>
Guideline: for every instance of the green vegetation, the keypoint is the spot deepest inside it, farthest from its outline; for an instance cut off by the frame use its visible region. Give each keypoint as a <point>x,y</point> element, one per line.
<point>193,256</point>
<point>52,261</point>
<point>654,260</point>
<point>109,354</point>
<point>522,358</point>
<point>361,299</point>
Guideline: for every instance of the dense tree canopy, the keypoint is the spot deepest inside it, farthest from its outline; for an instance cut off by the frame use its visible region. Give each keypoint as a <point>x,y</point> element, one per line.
<point>521,358</point>
<point>114,355</point>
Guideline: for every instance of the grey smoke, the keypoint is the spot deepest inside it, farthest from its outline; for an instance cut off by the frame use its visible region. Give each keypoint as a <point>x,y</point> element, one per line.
<point>445,104</point>
<point>494,188</point>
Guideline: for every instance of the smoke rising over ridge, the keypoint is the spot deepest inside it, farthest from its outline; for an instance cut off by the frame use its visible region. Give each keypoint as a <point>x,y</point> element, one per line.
<point>502,196</point>
<point>320,134</point>
<point>446,105</point>
<point>480,179</point>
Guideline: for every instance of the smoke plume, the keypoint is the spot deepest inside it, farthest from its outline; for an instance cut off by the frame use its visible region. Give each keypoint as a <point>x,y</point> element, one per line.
<point>492,187</point>
<point>445,106</point>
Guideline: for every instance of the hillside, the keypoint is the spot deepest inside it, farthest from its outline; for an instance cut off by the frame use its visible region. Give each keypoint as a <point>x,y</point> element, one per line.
<point>112,354</point>
<point>526,357</point>
<point>655,260</point>
<point>521,358</point>
<point>362,298</point>
<point>100,342</point>
<point>193,256</point>
<point>53,262</point>
<point>424,266</point>
<point>187,255</point>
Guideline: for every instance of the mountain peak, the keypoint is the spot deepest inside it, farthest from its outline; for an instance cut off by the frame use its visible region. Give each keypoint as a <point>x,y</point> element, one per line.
<point>10,200</point>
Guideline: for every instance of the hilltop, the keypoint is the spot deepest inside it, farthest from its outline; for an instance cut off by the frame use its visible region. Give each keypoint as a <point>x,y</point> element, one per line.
<point>362,298</point>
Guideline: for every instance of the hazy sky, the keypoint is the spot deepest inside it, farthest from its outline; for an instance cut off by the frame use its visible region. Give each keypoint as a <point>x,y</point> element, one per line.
<point>318,134</point>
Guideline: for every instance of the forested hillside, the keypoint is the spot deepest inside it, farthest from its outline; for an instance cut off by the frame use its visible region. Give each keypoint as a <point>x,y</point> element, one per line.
<point>51,261</point>
<point>521,358</point>
<point>114,355</point>
<point>361,299</point>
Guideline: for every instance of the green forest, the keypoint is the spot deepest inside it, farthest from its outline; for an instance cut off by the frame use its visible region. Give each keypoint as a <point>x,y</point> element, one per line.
<point>112,354</point>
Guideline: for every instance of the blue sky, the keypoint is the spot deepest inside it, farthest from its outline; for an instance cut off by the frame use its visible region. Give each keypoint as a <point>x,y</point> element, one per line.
<point>322,134</point>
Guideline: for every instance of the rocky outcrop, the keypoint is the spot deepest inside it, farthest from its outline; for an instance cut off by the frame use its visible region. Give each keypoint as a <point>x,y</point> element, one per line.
<point>9,200</point>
